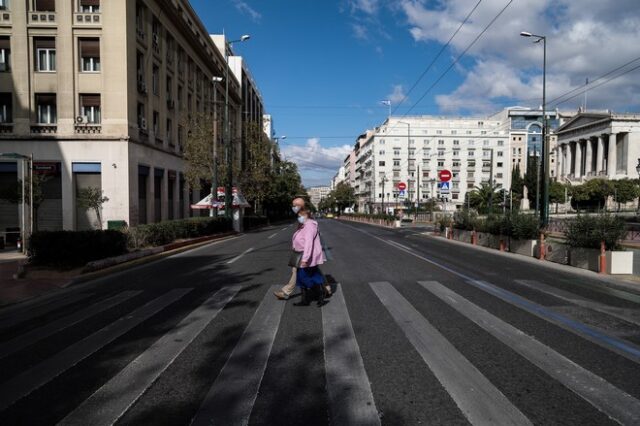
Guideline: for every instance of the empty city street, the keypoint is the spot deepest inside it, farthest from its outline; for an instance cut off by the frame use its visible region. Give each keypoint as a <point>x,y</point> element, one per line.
<point>419,330</point>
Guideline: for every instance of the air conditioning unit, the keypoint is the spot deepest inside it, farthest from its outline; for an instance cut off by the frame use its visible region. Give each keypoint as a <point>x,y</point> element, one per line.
<point>82,119</point>
<point>143,123</point>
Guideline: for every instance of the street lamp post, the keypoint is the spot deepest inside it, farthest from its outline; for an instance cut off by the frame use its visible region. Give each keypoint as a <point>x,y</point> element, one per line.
<point>408,154</point>
<point>228,194</point>
<point>214,179</point>
<point>638,171</point>
<point>544,211</point>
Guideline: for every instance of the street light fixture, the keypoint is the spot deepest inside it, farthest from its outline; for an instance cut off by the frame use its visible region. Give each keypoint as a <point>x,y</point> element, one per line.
<point>228,194</point>
<point>638,171</point>
<point>544,211</point>
<point>214,181</point>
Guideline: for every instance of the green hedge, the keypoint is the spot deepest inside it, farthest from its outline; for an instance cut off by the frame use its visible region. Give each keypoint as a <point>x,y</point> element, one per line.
<point>68,249</point>
<point>518,225</point>
<point>158,234</point>
<point>371,216</point>
<point>589,231</point>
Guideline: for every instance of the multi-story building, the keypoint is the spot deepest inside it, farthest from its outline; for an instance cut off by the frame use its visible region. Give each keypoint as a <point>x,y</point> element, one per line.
<point>99,92</point>
<point>318,193</point>
<point>598,144</point>
<point>338,178</point>
<point>412,150</point>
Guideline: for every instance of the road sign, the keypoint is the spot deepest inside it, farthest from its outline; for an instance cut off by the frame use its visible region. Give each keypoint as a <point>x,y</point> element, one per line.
<point>444,188</point>
<point>444,175</point>
<point>401,193</point>
<point>402,186</point>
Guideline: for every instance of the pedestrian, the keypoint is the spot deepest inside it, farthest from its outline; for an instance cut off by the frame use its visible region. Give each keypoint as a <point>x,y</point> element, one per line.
<point>283,294</point>
<point>307,255</point>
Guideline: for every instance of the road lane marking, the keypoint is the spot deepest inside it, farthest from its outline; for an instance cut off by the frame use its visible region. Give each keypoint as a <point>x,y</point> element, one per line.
<point>39,309</point>
<point>599,337</point>
<point>607,341</point>
<point>620,313</point>
<point>113,399</point>
<point>285,228</point>
<point>33,336</point>
<point>607,398</point>
<point>240,256</point>
<point>476,397</point>
<point>28,381</point>
<point>350,398</point>
<point>231,397</point>
<point>271,236</point>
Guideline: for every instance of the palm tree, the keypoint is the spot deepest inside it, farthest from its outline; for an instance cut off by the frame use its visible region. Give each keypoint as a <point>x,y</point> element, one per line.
<point>481,197</point>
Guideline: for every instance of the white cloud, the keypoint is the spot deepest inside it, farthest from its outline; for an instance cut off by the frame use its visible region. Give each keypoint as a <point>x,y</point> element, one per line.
<point>584,39</point>
<point>360,31</point>
<point>314,157</point>
<point>368,7</point>
<point>244,8</point>
<point>397,95</point>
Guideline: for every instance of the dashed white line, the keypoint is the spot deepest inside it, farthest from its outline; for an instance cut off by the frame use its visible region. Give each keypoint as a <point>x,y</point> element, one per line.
<point>271,236</point>
<point>240,256</point>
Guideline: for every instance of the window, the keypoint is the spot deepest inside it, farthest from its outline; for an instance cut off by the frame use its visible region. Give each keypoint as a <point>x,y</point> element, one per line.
<point>485,143</point>
<point>381,163</point>
<point>412,142</point>
<point>396,153</point>
<point>440,142</point>
<point>471,153</point>
<point>90,108</point>
<point>170,50</point>
<point>500,143</point>
<point>499,164</point>
<point>499,175</point>
<point>155,33</point>
<point>169,131</point>
<point>142,116</point>
<point>381,152</point>
<point>4,5</point>
<point>44,5</point>
<point>89,54</point>
<point>438,132</point>
<point>180,106</point>
<point>456,142</point>
<point>169,88</point>
<point>454,132</point>
<point>440,163</point>
<point>6,113</point>
<point>5,54</point>
<point>440,153</point>
<point>381,141</point>
<point>469,132</point>
<point>486,154</point>
<point>89,6</point>
<point>500,153</point>
<point>156,80</point>
<point>412,153</point>
<point>45,54</point>
<point>46,108</point>
<point>471,142</point>
<point>140,20</point>
<point>455,164</point>
<point>484,132</point>
<point>156,123</point>
<point>396,162</point>
<point>189,102</point>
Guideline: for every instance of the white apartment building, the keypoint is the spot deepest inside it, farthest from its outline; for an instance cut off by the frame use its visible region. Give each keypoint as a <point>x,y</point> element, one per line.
<point>318,193</point>
<point>412,150</point>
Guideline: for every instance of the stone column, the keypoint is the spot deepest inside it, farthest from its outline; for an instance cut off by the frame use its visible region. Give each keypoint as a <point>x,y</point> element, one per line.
<point>558,150</point>
<point>600,155</point>
<point>569,169</point>
<point>612,163</point>
<point>589,158</point>
<point>578,167</point>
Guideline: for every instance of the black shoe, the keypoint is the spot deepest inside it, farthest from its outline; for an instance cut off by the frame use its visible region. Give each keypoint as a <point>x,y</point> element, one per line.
<point>320,291</point>
<point>305,300</point>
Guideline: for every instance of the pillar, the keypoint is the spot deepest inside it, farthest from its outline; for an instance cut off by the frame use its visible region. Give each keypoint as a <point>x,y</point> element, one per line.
<point>558,150</point>
<point>578,166</point>
<point>588,157</point>
<point>600,155</point>
<point>569,168</point>
<point>612,164</point>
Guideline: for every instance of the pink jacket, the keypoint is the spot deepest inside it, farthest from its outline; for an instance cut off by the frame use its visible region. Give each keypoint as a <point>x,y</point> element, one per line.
<point>307,240</point>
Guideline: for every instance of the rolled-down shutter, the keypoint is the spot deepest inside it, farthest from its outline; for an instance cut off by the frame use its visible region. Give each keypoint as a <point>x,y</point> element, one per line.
<point>90,100</point>
<point>90,48</point>
<point>45,43</point>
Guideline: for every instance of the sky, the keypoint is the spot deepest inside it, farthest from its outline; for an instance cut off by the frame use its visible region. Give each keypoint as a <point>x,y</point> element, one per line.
<point>323,66</point>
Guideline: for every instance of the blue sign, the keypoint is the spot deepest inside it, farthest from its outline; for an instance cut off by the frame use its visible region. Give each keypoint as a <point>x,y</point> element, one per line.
<point>444,186</point>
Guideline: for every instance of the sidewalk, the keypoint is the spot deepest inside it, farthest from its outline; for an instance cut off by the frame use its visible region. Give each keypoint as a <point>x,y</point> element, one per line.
<point>41,280</point>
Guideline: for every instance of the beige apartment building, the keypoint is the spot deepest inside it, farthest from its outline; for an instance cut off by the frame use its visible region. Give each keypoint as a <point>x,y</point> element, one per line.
<point>99,91</point>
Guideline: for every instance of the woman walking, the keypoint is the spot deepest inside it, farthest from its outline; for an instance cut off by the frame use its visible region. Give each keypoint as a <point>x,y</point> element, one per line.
<point>307,246</point>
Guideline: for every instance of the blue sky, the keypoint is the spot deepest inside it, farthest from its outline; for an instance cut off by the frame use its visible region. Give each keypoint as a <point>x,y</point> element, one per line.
<point>323,66</point>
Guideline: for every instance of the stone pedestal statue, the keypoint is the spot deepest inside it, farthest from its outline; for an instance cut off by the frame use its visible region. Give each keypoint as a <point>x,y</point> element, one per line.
<point>524,203</point>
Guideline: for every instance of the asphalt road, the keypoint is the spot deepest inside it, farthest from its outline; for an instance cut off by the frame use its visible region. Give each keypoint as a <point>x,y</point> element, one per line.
<point>420,331</point>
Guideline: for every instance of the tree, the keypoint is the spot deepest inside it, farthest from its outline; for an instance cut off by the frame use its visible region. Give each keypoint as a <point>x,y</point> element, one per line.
<point>557,193</point>
<point>481,196</point>
<point>344,195</point>
<point>257,177</point>
<point>286,186</point>
<point>592,194</point>
<point>531,179</point>
<point>92,198</point>
<point>198,149</point>
<point>14,194</point>
<point>625,190</point>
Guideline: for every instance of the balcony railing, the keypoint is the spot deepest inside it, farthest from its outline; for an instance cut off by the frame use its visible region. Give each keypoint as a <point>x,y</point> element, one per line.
<point>43,129</point>
<point>6,128</point>
<point>88,128</point>
<point>87,18</point>
<point>44,18</point>
<point>5,17</point>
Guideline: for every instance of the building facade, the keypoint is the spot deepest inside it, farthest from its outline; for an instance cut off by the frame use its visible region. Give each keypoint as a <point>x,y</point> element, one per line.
<point>598,144</point>
<point>410,152</point>
<point>317,194</point>
<point>99,92</point>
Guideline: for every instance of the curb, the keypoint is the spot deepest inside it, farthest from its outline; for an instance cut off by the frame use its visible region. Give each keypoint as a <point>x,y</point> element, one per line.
<point>153,254</point>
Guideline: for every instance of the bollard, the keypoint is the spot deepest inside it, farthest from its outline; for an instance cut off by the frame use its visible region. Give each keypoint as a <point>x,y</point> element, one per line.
<point>474,237</point>
<point>541,247</point>
<point>603,259</point>
<point>502,247</point>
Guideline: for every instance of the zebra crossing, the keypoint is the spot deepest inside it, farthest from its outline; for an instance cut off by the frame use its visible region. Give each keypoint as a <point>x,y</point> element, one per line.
<point>350,394</point>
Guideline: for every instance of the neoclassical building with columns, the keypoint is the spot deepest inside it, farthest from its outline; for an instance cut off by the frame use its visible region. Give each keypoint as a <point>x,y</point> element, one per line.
<point>598,144</point>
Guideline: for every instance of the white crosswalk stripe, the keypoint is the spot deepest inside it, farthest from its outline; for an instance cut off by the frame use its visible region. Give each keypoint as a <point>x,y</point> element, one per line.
<point>350,398</point>
<point>27,339</point>
<point>11,318</point>
<point>231,398</point>
<point>28,381</point>
<point>113,399</point>
<point>607,398</point>
<point>478,399</point>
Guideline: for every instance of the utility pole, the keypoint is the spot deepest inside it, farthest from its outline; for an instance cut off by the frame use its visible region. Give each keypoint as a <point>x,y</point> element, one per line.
<point>417,195</point>
<point>491,183</point>
<point>214,180</point>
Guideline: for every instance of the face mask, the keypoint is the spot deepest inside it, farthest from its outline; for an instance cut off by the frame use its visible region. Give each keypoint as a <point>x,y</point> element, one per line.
<point>301,219</point>
<point>295,209</point>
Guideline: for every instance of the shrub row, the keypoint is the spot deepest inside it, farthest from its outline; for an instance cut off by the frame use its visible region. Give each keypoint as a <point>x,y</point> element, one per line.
<point>158,234</point>
<point>67,249</point>
<point>371,216</point>
<point>589,231</point>
<point>518,225</point>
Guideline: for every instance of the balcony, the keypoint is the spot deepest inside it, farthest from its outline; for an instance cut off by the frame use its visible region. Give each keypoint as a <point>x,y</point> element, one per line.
<point>87,19</point>
<point>88,129</point>
<point>44,129</point>
<point>6,128</point>
<point>42,18</point>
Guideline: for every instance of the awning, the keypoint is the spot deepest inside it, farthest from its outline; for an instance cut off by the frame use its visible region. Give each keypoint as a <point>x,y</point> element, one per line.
<point>206,202</point>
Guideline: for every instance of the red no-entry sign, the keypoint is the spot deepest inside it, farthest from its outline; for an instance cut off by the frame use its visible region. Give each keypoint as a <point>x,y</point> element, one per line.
<point>444,175</point>
<point>402,186</point>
